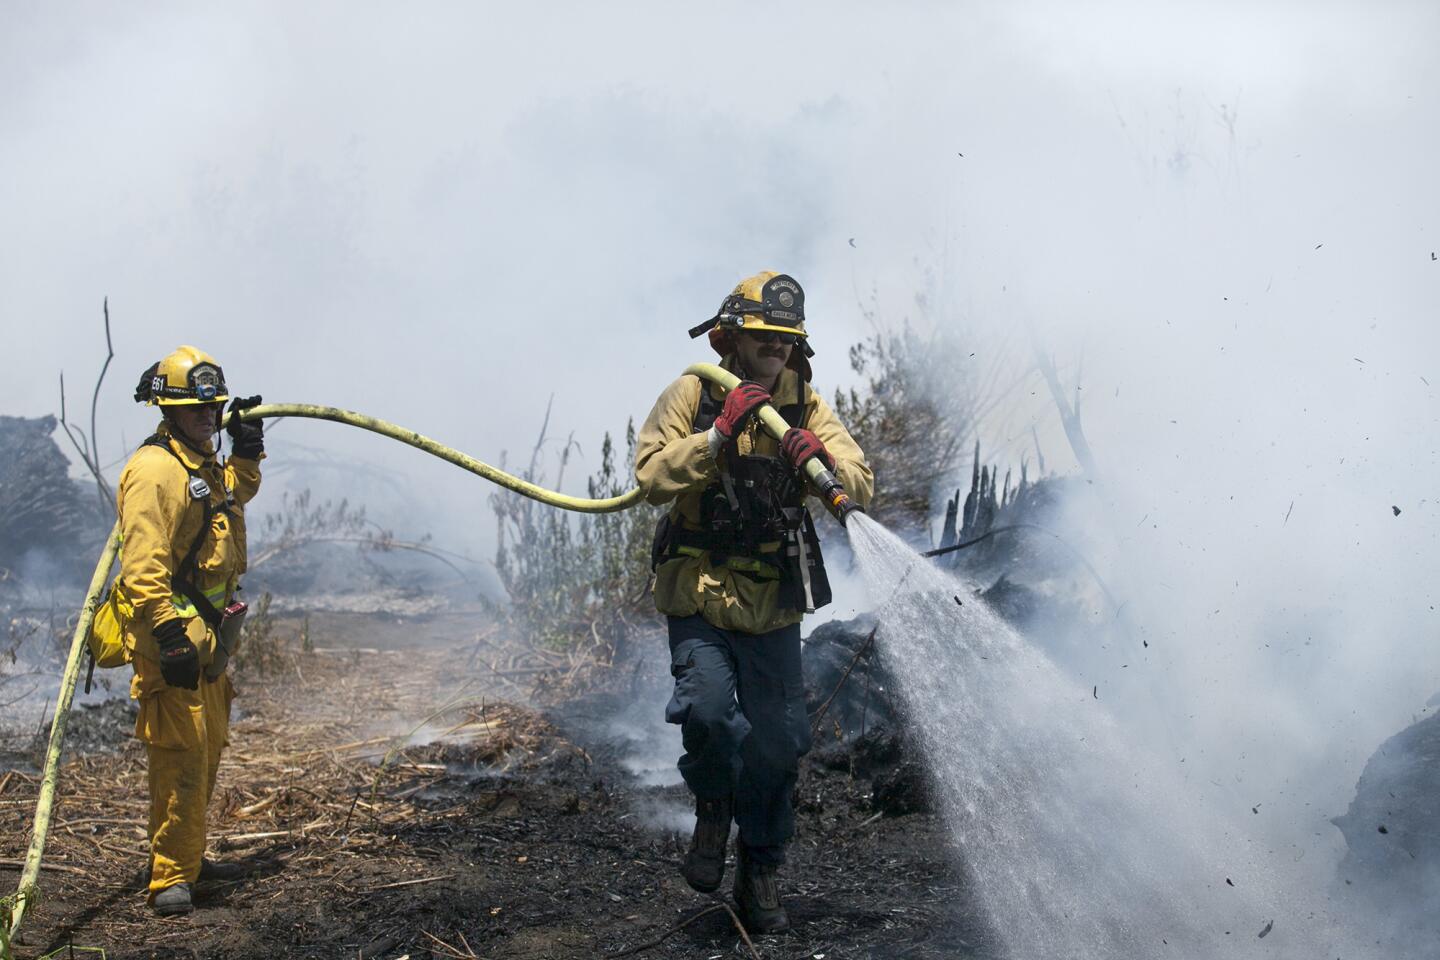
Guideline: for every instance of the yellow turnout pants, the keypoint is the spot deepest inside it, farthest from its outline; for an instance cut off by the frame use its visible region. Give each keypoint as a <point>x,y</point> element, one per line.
<point>184,732</point>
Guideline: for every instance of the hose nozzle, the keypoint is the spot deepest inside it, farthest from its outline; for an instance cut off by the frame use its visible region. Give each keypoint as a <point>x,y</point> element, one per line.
<point>832,492</point>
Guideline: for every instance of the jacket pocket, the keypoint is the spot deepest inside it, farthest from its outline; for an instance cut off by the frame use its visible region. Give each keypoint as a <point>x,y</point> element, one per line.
<point>682,668</point>
<point>675,590</point>
<point>219,558</point>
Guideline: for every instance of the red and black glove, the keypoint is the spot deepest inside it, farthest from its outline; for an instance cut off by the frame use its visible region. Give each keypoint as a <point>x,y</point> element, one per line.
<point>800,445</point>
<point>740,404</point>
<point>179,660</point>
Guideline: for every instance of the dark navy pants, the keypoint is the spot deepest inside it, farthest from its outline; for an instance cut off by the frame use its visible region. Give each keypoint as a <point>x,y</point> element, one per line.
<point>740,703</point>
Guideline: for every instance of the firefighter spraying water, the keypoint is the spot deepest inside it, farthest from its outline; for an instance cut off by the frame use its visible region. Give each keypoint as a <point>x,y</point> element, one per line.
<point>737,565</point>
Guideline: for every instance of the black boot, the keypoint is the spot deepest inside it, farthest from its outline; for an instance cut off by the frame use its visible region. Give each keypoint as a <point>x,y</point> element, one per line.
<point>213,872</point>
<point>758,896</point>
<point>704,865</point>
<point>173,901</point>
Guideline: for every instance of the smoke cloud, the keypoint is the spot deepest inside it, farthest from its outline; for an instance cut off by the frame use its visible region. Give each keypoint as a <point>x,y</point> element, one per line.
<point>1218,218</point>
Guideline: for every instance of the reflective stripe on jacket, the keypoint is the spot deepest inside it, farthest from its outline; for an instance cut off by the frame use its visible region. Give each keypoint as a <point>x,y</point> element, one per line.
<point>672,464</point>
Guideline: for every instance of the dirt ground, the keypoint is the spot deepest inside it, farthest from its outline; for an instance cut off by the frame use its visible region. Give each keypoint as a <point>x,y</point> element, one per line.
<point>498,829</point>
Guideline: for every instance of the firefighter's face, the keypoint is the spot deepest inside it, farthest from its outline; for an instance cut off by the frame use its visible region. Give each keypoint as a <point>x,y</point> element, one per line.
<point>762,356</point>
<point>195,422</point>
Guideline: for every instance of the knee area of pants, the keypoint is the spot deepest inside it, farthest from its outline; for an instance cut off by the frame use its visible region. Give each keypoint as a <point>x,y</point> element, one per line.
<point>702,726</point>
<point>776,754</point>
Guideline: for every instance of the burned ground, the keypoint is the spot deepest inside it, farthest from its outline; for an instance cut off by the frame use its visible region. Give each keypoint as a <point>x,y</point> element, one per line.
<point>499,830</point>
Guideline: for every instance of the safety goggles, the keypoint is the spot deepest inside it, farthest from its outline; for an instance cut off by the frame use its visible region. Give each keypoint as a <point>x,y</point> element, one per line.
<point>772,336</point>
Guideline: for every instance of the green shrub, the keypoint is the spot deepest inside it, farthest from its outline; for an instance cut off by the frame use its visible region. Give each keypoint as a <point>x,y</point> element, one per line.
<point>567,572</point>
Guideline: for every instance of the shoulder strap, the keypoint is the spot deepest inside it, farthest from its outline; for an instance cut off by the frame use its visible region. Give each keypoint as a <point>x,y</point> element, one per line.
<point>706,411</point>
<point>183,579</point>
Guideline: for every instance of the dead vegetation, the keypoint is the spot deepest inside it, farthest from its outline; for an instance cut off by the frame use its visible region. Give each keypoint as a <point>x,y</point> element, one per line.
<point>577,585</point>
<point>922,403</point>
<point>266,648</point>
<point>297,787</point>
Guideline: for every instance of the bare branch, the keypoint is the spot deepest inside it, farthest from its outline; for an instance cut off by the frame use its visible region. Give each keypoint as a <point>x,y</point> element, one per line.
<point>81,445</point>
<point>540,440</point>
<point>1069,414</point>
<point>88,447</point>
<point>94,402</point>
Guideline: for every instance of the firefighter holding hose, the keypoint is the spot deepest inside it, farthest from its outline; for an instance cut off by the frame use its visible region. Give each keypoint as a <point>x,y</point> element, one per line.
<point>182,520</point>
<point>737,565</point>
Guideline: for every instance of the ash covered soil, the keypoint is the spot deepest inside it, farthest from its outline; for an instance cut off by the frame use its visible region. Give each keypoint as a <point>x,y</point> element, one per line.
<point>498,829</point>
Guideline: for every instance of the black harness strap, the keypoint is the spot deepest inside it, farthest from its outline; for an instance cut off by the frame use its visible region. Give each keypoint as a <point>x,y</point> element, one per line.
<point>710,407</point>
<point>183,579</point>
<point>780,538</point>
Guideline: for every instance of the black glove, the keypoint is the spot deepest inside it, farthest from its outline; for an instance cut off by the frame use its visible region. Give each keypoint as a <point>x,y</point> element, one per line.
<point>179,660</point>
<point>247,437</point>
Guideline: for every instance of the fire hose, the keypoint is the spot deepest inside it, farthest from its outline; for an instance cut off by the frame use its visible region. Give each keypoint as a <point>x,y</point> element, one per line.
<point>830,490</point>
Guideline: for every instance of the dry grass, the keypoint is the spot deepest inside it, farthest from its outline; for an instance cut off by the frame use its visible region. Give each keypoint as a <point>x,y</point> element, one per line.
<point>324,768</point>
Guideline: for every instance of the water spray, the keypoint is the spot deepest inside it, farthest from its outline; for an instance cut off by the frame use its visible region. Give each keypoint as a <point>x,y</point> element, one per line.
<point>826,485</point>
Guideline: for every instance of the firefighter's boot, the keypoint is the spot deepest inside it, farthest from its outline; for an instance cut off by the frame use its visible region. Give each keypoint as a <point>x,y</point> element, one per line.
<point>212,871</point>
<point>758,896</point>
<point>173,901</point>
<point>704,865</point>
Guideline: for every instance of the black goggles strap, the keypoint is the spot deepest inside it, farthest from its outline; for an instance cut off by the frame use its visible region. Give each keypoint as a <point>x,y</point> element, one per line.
<point>704,327</point>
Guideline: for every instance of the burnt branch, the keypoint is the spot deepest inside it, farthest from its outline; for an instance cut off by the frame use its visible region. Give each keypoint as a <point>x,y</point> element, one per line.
<point>87,447</point>
<point>95,402</point>
<point>1069,412</point>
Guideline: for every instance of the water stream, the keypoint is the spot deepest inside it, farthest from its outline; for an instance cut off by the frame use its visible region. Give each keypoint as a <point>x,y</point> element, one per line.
<point>1078,843</point>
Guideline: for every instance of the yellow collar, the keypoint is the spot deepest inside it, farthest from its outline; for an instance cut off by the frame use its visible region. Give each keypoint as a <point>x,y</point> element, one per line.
<point>194,459</point>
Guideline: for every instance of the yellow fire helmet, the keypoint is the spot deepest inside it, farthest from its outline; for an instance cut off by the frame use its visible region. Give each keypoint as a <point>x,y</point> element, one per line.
<point>189,375</point>
<point>767,301</point>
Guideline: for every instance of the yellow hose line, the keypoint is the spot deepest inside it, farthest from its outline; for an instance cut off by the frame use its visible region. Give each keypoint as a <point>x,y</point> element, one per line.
<point>449,454</point>
<point>769,418</point>
<point>25,893</point>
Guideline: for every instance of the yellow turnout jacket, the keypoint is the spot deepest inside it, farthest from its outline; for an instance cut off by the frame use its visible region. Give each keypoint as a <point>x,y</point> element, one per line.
<point>159,521</point>
<point>674,464</point>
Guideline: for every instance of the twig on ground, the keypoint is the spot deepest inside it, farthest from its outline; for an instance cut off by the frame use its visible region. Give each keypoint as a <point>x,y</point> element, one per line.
<point>739,926</point>
<point>411,883</point>
<point>641,947</point>
<point>44,865</point>
<point>450,950</point>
